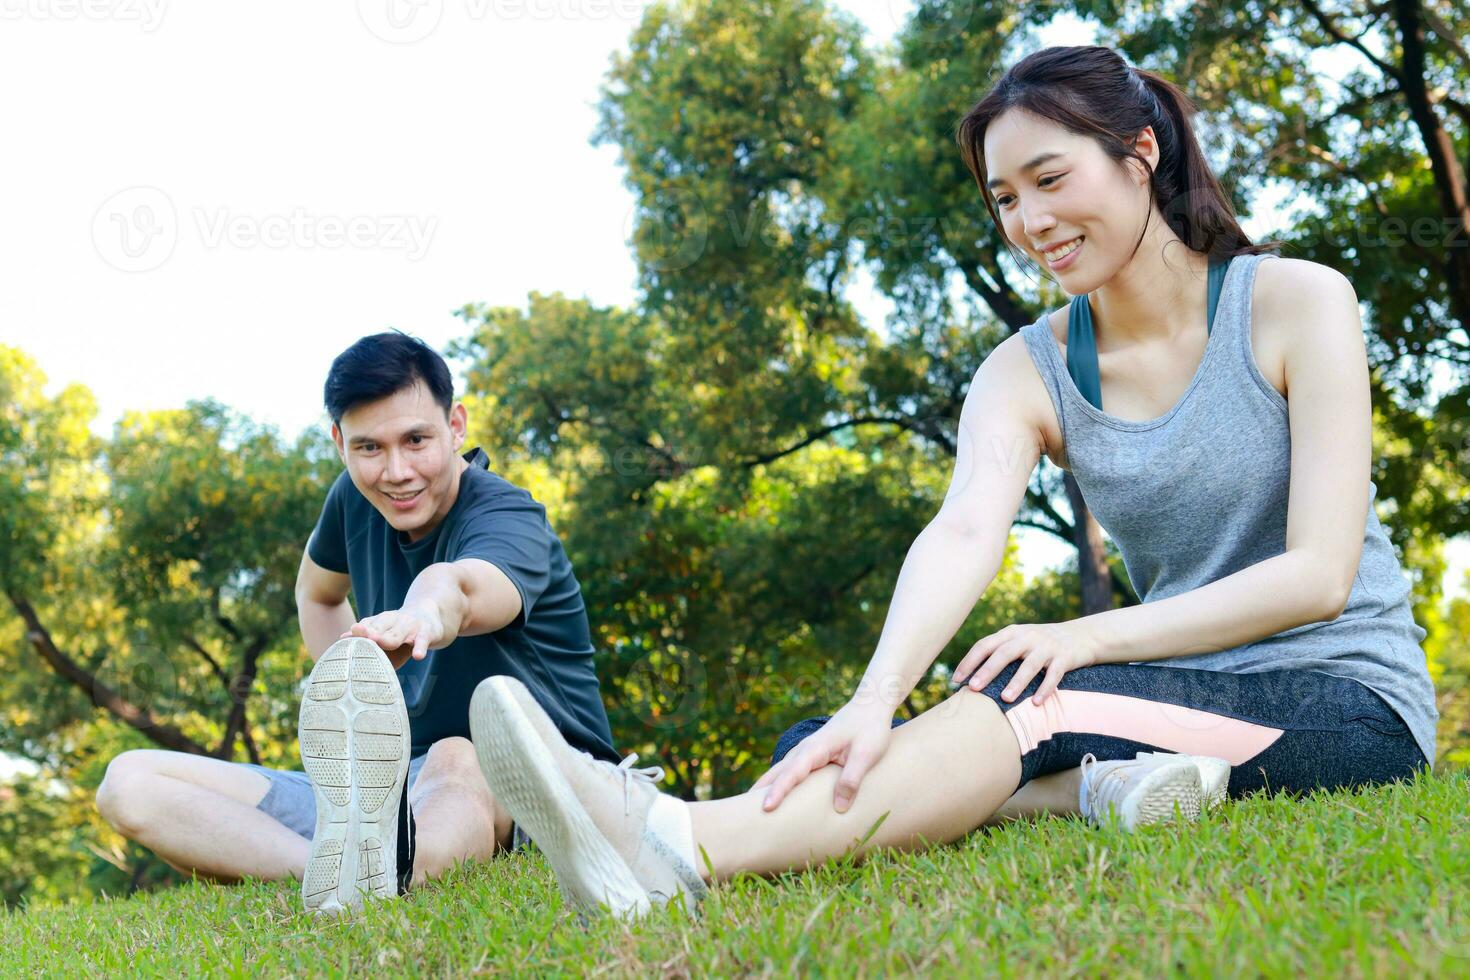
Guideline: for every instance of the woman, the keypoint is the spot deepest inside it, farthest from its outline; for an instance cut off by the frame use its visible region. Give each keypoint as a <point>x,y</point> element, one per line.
<point>1184,378</point>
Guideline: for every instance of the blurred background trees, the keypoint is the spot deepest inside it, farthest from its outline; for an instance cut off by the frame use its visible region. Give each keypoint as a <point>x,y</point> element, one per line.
<point>739,462</point>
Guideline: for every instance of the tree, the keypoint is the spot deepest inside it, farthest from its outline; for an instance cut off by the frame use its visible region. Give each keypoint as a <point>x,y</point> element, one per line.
<point>730,594</point>
<point>150,578</point>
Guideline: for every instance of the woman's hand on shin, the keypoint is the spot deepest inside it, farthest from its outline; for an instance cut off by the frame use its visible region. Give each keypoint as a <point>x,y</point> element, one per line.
<point>855,738</point>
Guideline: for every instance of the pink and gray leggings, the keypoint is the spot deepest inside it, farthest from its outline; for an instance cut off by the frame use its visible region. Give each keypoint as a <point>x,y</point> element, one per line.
<point>1290,731</point>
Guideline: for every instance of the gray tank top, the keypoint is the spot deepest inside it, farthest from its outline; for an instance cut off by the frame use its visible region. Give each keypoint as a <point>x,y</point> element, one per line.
<point>1200,493</point>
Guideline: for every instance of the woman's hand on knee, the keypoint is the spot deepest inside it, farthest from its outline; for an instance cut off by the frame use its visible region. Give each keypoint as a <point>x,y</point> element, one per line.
<point>1053,647</point>
<point>855,738</point>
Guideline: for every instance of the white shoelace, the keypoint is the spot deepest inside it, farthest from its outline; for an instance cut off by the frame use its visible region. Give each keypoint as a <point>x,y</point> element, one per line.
<point>653,775</point>
<point>1114,782</point>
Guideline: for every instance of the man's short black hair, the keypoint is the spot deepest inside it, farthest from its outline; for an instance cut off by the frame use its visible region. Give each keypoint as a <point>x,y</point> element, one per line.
<point>381,365</point>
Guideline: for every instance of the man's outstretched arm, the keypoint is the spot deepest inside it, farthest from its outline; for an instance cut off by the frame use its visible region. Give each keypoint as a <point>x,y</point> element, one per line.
<point>447,600</point>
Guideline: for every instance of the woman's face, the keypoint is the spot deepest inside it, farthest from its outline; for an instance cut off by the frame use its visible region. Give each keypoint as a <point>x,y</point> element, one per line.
<point>1078,193</point>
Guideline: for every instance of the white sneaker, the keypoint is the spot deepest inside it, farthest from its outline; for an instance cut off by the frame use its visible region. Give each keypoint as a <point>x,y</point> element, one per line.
<point>1214,774</point>
<point>613,839</point>
<point>355,745</point>
<point>1138,792</point>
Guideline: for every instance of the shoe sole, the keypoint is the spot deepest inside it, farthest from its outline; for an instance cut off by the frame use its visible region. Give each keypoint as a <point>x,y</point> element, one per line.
<point>1158,792</point>
<point>1214,775</point>
<point>523,774</point>
<point>355,745</point>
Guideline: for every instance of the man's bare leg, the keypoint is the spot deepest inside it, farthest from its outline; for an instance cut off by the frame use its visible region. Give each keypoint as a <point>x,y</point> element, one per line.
<point>456,817</point>
<point>200,815</point>
<point>943,775</point>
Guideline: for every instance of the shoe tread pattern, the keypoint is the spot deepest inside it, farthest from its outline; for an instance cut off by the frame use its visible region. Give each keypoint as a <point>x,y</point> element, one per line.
<point>356,752</point>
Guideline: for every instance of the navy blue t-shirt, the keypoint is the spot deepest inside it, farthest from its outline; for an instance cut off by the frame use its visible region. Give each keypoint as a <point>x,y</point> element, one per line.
<point>548,646</point>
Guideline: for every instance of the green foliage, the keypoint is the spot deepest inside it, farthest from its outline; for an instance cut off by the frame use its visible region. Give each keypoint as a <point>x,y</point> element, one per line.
<point>46,474</point>
<point>37,835</point>
<point>739,464</point>
<point>722,610</point>
<point>159,565</point>
<point>1353,883</point>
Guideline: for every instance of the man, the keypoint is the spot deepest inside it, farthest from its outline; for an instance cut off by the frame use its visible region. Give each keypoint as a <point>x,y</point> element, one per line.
<point>457,577</point>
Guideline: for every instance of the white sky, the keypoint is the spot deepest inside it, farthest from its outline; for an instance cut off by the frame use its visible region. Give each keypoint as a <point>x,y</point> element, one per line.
<point>214,200</point>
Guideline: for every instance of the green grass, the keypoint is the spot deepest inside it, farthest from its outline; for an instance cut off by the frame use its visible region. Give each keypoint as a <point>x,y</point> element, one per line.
<point>1374,882</point>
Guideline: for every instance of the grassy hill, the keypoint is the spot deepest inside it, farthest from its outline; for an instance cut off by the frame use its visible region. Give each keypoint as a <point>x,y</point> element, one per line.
<point>1368,883</point>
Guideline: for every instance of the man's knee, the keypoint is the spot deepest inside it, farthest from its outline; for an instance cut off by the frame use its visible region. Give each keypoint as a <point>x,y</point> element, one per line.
<point>452,760</point>
<point>452,767</point>
<point>123,796</point>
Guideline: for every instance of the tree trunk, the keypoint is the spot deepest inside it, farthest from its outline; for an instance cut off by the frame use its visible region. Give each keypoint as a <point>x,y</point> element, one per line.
<point>101,695</point>
<point>1449,179</point>
<point>1095,577</point>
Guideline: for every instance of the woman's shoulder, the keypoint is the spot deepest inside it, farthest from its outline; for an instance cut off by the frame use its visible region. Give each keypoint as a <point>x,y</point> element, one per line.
<point>1299,309</point>
<point>1287,285</point>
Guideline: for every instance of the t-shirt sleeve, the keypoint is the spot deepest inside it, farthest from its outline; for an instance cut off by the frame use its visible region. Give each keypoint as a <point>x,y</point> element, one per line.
<point>327,545</point>
<point>512,535</point>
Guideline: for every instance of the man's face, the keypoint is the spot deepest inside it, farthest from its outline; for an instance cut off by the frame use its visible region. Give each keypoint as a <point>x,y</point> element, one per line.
<point>402,455</point>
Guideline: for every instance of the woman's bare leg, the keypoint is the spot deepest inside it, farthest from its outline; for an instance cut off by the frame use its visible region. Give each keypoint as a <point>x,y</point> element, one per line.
<point>944,773</point>
<point>1053,793</point>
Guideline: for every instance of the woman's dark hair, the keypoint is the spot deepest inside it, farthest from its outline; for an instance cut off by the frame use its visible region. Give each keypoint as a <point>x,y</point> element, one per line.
<point>382,364</point>
<point>1091,91</point>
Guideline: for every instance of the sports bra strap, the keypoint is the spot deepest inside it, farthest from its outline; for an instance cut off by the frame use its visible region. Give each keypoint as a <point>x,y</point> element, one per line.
<point>1082,345</point>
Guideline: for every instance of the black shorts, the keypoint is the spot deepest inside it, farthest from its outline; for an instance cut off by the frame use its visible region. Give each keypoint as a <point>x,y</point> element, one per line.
<point>1303,730</point>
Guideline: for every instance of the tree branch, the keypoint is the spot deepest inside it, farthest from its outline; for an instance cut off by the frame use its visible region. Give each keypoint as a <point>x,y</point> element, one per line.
<point>239,694</point>
<point>252,752</point>
<point>1063,529</point>
<point>100,694</point>
<point>1019,522</point>
<point>219,672</point>
<point>1002,303</point>
<point>903,422</point>
<point>1446,33</point>
<point>1336,34</point>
